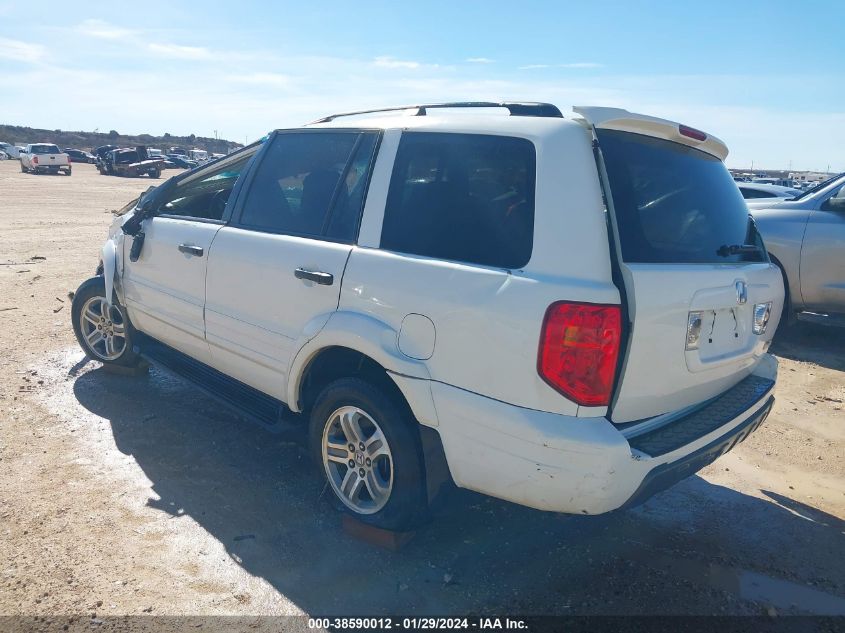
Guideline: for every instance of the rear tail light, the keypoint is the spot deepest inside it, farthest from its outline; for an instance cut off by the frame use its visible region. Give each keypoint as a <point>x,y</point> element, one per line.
<point>579,346</point>
<point>693,330</point>
<point>68,159</point>
<point>35,160</point>
<point>762,312</point>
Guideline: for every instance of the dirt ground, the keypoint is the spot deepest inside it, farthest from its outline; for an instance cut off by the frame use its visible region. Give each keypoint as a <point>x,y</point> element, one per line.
<point>134,495</point>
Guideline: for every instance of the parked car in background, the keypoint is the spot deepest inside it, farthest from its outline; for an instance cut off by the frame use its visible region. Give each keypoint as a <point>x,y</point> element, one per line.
<point>805,237</point>
<point>180,161</point>
<point>3,155</point>
<point>435,301</point>
<point>198,155</point>
<point>757,191</point>
<point>130,162</point>
<point>45,158</point>
<point>78,156</point>
<point>12,151</point>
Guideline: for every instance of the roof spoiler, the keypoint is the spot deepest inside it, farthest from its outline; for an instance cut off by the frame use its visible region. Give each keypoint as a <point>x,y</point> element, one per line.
<point>619,119</point>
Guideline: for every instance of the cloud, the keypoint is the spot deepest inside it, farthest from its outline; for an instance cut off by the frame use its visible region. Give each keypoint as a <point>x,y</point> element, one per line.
<point>261,79</point>
<point>569,65</point>
<point>177,51</point>
<point>19,51</point>
<point>103,30</point>
<point>479,60</point>
<point>390,62</point>
<point>581,65</point>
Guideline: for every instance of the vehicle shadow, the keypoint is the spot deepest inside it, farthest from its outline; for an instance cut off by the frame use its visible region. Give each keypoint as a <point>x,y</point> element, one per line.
<point>259,496</point>
<point>808,342</point>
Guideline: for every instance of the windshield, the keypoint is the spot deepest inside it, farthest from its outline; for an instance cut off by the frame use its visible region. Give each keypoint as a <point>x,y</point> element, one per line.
<point>674,203</point>
<point>818,187</point>
<point>45,149</point>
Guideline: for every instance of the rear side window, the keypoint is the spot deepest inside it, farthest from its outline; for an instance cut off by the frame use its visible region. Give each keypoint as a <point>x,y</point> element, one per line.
<point>674,203</point>
<point>299,180</point>
<point>462,197</point>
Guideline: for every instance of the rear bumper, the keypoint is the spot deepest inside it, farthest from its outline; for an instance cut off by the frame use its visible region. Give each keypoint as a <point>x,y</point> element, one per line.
<point>50,167</point>
<point>587,465</point>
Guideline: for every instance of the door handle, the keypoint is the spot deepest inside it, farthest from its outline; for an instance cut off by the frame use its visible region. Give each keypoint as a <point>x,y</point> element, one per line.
<point>191,250</point>
<point>324,279</point>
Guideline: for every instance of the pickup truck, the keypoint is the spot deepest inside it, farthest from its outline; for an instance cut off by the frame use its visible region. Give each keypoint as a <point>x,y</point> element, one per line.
<point>131,163</point>
<point>44,158</point>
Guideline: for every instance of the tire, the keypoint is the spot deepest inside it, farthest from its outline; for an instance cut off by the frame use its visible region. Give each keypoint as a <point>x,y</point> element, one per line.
<point>405,505</point>
<point>155,173</point>
<point>90,299</point>
<point>23,169</point>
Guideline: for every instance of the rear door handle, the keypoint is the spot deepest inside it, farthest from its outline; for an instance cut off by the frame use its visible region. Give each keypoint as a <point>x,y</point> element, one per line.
<point>191,250</point>
<point>324,279</point>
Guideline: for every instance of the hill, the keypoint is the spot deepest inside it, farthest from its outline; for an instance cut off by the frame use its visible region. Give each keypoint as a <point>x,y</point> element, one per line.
<point>18,135</point>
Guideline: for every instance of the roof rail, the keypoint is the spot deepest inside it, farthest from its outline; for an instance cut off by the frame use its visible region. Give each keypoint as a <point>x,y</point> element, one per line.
<point>515,109</point>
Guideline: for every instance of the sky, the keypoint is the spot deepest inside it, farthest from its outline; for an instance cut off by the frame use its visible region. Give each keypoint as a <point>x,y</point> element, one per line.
<point>768,78</point>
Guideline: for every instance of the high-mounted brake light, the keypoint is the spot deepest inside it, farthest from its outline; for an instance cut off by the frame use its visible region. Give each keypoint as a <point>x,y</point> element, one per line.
<point>692,133</point>
<point>579,345</point>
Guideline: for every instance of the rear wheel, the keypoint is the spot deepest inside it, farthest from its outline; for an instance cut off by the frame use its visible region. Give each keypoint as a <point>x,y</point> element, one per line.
<point>103,330</point>
<point>369,453</point>
<point>23,169</point>
<point>155,173</point>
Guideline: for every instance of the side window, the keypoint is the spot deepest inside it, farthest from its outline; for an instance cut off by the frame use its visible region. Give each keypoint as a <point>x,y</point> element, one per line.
<point>836,202</point>
<point>462,197</point>
<point>300,178</point>
<point>204,195</point>
<point>755,193</point>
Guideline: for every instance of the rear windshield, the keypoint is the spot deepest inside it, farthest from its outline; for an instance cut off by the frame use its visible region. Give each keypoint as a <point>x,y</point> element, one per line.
<point>674,203</point>
<point>45,149</point>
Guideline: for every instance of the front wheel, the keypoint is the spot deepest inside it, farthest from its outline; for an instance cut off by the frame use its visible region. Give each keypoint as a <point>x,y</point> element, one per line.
<point>103,330</point>
<point>369,453</point>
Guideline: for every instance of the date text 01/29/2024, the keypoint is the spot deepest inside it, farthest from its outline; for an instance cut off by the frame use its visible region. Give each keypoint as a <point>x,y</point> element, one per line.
<point>418,623</point>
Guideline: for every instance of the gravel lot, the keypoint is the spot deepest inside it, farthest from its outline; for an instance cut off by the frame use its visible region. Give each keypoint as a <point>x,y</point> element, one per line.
<point>133,495</point>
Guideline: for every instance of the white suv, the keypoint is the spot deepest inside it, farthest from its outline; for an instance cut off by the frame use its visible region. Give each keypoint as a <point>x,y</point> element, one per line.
<point>567,313</point>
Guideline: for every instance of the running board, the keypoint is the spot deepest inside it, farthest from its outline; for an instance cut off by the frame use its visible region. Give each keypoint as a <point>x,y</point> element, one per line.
<point>247,402</point>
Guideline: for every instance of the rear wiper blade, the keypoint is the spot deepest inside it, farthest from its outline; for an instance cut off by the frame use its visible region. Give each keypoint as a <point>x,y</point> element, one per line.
<point>726,250</point>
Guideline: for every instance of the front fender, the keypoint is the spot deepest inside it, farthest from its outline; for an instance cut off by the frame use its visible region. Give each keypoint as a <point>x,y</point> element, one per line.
<point>359,332</point>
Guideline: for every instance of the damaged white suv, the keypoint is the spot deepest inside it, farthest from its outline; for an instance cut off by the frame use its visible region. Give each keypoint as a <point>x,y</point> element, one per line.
<point>568,313</point>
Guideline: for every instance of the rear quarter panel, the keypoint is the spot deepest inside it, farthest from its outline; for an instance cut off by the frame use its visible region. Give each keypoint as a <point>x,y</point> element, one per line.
<point>487,321</point>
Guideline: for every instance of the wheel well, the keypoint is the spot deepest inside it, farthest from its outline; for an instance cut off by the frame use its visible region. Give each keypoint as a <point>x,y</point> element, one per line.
<point>333,363</point>
<point>788,306</point>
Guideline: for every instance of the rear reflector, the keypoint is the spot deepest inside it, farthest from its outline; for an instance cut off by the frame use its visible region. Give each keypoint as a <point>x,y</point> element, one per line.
<point>579,345</point>
<point>692,133</point>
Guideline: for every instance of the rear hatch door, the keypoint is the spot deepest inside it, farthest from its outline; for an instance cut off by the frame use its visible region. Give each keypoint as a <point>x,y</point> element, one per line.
<point>687,253</point>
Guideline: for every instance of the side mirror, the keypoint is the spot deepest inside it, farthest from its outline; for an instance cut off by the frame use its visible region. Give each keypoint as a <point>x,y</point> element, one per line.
<point>836,203</point>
